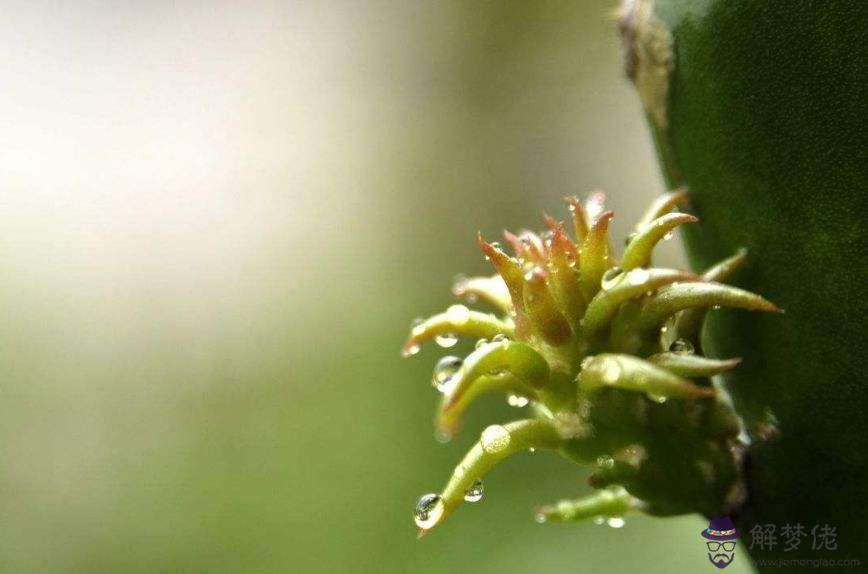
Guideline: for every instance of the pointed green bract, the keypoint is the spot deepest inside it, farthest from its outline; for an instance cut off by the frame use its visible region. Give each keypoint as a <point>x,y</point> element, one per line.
<point>519,359</point>
<point>692,365</point>
<point>594,257</point>
<point>609,503</point>
<point>451,408</point>
<point>492,290</point>
<point>633,374</point>
<point>543,311</point>
<point>627,285</point>
<point>688,324</point>
<point>496,443</point>
<point>672,299</point>
<point>638,252</point>
<point>457,320</point>
<point>661,206</point>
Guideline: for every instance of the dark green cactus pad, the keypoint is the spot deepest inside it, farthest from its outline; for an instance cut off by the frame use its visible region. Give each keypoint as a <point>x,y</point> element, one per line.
<point>766,123</point>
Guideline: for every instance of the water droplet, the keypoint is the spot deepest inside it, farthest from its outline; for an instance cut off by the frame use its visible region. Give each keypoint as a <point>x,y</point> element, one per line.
<point>681,346</point>
<point>605,461</point>
<point>496,245</point>
<point>517,401</point>
<point>442,436</point>
<point>500,338</point>
<point>630,238</point>
<point>615,522</point>
<point>638,276</point>
<point>611,372</point>
<point>611,277</point>
<point>531,450</point>
<point>444,372</point>
<point>659,399</point>
<point>446,340</point>
<point>539,517</point>
<point>599,520</point>
<point>480,343</point>
<point>667,237</point>
<point>494,439</point>
<point>428,511</point>
<point>458,314</point>
<point>411,350</point>
<point>594,206</point>
<point>474,492</point>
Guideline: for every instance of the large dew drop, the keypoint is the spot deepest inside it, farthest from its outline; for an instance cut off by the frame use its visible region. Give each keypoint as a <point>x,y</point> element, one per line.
<point>446,340</point>
<point>458,314</point>
<point>517,401</point>
<point>638,276</point>
<point>611,278</point>
<point>611,372</point>
<point>494,439</point>
<point>615,522</point>
<point>474,492</point>
<point>428,511</point>
<point>444,372</point>
<point>681,346</point>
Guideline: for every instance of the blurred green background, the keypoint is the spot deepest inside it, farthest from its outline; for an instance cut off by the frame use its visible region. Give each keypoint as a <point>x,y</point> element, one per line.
<point>217,221</point>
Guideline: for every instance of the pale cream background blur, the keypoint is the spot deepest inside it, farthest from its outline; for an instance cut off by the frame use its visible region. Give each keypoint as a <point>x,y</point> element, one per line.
<point>217,221</point>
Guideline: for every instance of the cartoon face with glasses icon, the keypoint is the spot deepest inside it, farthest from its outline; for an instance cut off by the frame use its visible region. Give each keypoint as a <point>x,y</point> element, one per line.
<point>721,535</point>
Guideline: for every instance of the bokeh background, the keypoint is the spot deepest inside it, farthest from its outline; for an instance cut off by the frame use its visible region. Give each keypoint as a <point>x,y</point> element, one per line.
<point>217,221</point>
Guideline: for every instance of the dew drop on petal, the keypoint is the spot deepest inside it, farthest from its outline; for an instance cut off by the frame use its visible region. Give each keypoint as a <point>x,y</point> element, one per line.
<point>411,350</point>
<point>444,371</point>
<point>442,436</point>
<point>428,511</point>
<point>605,461</point>
<point>599,520</point>
<point>540,518</point>
<point>494,439</point>
<point>611,372</point>
<point>681,346</point>
<point>611,277</point>
<point>659,399</point>
<point>458,314</point>
<point>475,491</point>
<point>480,343</point>
<point>638,276</point>
<point>615,522</point>
<point>446,340</point>
<point>517,401</point>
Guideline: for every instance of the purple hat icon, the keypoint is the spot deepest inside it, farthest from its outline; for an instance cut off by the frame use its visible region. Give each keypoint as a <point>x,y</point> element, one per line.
<point>721,528</point>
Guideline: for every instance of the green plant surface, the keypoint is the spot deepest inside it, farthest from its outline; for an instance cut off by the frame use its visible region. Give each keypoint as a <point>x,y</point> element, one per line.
<point>767,126</point>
